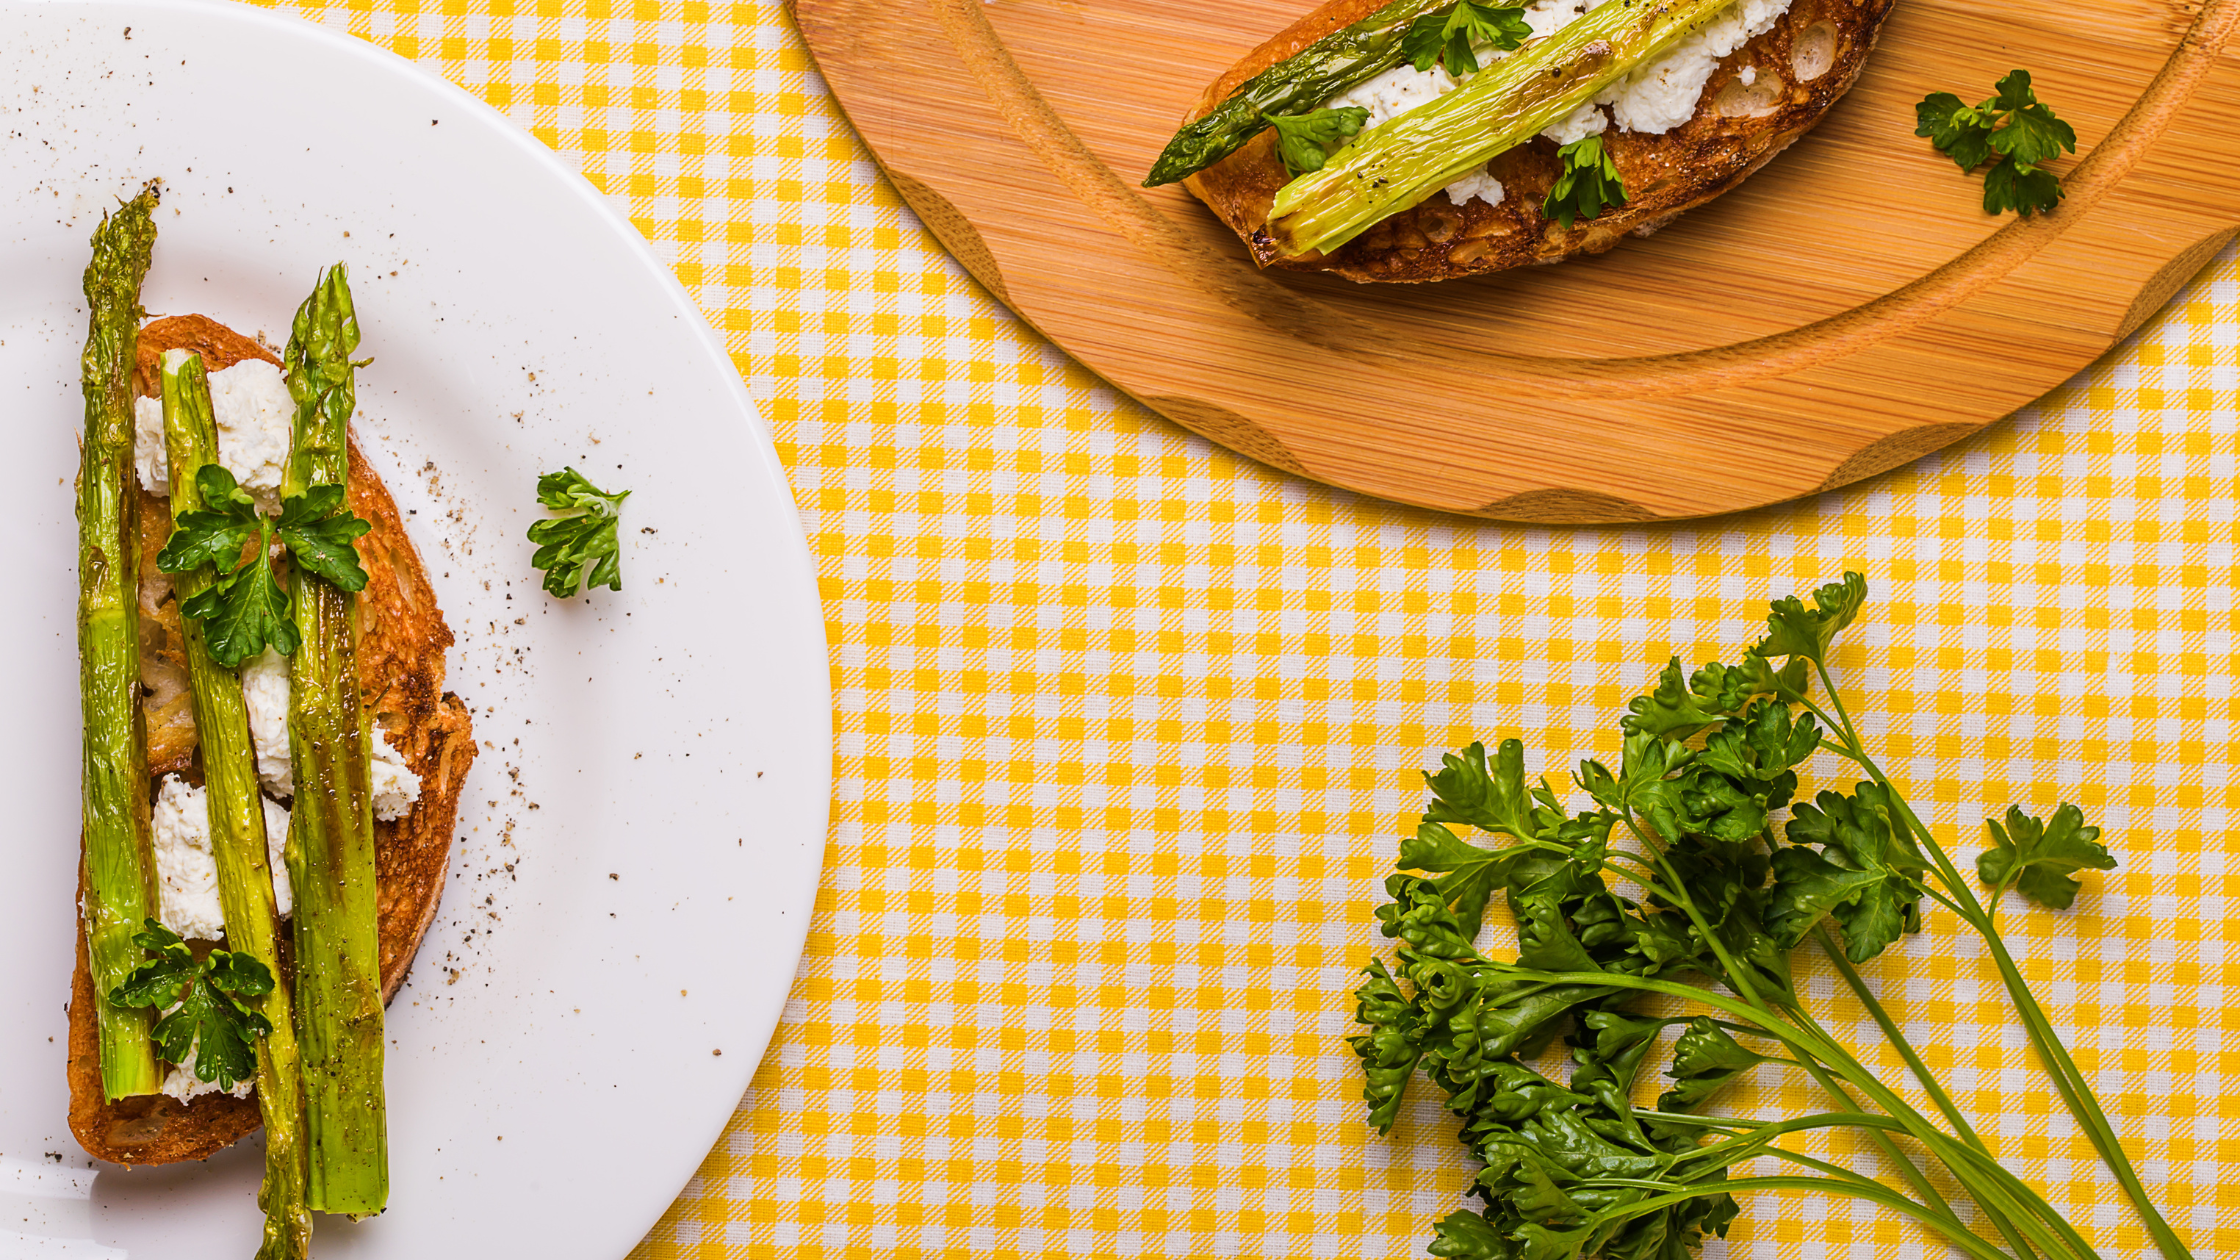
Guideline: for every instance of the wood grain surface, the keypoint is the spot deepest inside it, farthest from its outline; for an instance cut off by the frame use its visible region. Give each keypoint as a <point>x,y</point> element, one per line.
<point>1847,310</point>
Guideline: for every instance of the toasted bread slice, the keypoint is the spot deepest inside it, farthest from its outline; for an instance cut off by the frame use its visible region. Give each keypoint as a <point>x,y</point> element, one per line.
<point>1759,99</point>
<point>401,643</point>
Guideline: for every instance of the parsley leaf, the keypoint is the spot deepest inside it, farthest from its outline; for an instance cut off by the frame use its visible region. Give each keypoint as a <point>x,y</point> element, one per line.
<point>318,529</point>
<point>209,1022</point>
<point>1453,35</point>
<point>1589,183</point>
<point>2040,858</point>
<point>1794,630</point>
<point>579,547</point>
<point>216,534</point>
<point>1304,140</point>
<point>243,613</point>
<point>2013,131</point>
<point>1704,1061</point>
<point>244,610</point>
<point>1865,875</point>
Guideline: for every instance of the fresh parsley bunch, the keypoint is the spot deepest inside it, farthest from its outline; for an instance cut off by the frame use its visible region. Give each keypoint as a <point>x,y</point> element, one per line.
<point>1693,871</point>
<point>1452,35</point>
<point>205,1001</point>
<point>2013,131</point>
<point>1588,183</point>
<point>245,608</point>
<point>580,546</point>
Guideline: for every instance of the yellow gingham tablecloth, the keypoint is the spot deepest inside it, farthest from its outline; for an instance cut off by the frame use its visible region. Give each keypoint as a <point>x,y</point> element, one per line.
<point>1128,726</point>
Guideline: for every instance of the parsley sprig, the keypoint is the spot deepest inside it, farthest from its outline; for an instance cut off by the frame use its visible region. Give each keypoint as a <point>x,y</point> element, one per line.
<point>1589,183</point>
<point>1690,875</point>
<point>1452,36</point>
<point>580,547</point>
<point>245,609</point>
<point>1304,141</point>
<point>211,1020</point>
<point>2013,131</point>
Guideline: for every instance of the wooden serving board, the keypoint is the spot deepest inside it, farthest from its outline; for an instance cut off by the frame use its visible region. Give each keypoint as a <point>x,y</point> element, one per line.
<point>1848,309</point>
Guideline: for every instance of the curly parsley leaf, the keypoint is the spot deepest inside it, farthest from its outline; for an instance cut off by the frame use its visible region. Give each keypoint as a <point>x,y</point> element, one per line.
<point>2014,131</point>
<point>318,528</point>
<point>216,534</point>
<point>207,1019</point>
<point>579,547</point>
<point>1467,1235</point>
<point>1704,1061</point>
<point>1390,1049</point>
<point>1864,875</point>
<point>1304,141</point>
<point>1453,36</point>
<point>1794,630</point>
<point>1589,183</point>
<point>244,612</point>
<point>2040,858</point>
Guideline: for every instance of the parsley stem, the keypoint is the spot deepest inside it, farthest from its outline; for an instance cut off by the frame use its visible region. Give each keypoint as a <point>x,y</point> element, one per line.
<point>1849,1185</point>
<point>2068,1081</point>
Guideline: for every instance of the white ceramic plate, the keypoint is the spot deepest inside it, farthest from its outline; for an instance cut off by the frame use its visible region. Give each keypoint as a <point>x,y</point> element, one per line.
<point>641,839</point>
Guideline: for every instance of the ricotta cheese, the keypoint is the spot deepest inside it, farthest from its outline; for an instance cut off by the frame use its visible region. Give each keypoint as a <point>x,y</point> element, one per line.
<point>275,849</point>
<point>255,419</point>
<point>186,873</point>
<point>187,869</point>
<point>395,787</point>
<point>1661,95</point>
<point>264,686</point>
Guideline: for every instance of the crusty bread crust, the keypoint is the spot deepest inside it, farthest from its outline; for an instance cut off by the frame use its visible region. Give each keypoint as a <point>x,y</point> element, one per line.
<point>1799,69</point>
<point>401,643</point>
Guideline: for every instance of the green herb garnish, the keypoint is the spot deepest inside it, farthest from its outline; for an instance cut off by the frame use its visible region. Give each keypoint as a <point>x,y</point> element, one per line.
<point>1690,875</point>
<point>210,1021</point>
<point>1589,183</point>
<point>244,609</point>
<point>1304,141</point>
<point>579,547</point>
<point>2013,131</point>
<point>1452,36</point>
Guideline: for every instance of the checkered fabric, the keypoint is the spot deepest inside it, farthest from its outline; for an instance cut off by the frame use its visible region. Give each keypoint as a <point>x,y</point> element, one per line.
<point>1128,726</point>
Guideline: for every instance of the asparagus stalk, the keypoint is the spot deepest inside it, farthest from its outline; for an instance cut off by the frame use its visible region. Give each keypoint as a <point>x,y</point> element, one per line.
<point>1302,81</point>
<point>330,836</point>
<point>237,835</point>
<point>120,888</point>
<point>1396,165</point>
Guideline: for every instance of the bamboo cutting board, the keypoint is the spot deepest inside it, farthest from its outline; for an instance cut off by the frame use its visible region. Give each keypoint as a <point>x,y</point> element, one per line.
<point>1848,309</point>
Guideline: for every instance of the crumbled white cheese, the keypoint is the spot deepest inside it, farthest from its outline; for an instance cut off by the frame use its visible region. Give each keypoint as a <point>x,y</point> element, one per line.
<point>181,1083</point>
<point>1393,93</point>
<point>275,844</point>
<point>264,688</point>
<point>1661,95</point>
<point>255,419</point>
<point>187,869</point>
<point>186,873</point>
<point>1479,183</point>
<point>395,787</point>
<point>1546,17</point>
<point>1587,120</point>
<point>1748,75</point>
